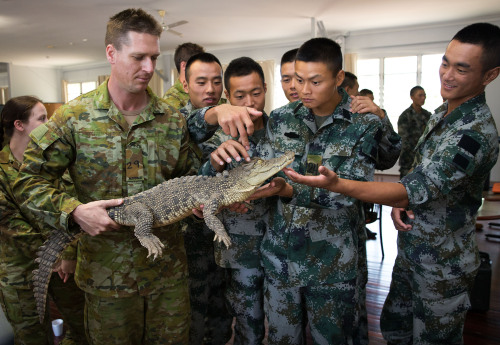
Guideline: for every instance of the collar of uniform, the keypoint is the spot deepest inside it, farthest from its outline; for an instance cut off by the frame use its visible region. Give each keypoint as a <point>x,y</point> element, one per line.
<point>6,156</point>
<point>103,101</point>
<point>178,86</point>
<point>465,108</point>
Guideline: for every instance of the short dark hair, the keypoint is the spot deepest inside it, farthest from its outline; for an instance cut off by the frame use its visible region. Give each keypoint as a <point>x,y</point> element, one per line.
<point>184,51</point>
<point>240,67</point>
<point>17,108</point>
<point>136,20</point>
<point>485,35</point>
<point>203,57</point>
<point>349,80</point>
<point>365,92</point>
<point>289,56</point>
<point>415,89</point>
<point>322,50</point>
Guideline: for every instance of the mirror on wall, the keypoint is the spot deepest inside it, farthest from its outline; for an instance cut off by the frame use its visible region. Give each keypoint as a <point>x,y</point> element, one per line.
<point>4,83</point>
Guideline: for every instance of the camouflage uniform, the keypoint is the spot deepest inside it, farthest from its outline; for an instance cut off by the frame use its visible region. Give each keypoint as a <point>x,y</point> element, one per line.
<point>310,251</point>
<point>246,276</point>
<point>109,159</point>
<point>411,125</point>
<point>210,318</point>
<point>176,96</point>
<point>20,239</point>
<point>438,259</point>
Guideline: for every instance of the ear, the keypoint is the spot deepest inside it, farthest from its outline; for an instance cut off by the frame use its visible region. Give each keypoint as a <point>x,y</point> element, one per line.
<point>340,77</point>
<point>491,75</point>
<point>183,66</point>
<point>227,94</point>
<point>19,125</point>
<point>185,86</point>
<point>111,53</point>
<point>265,87</point>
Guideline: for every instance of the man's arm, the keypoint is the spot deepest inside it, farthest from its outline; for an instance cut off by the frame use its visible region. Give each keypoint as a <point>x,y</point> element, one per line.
<point>386,193</point>
<point>389,143</point>
<point>235,121</point>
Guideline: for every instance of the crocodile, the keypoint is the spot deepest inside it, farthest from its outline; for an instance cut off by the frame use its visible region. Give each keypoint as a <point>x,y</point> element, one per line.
<point>167,203</point>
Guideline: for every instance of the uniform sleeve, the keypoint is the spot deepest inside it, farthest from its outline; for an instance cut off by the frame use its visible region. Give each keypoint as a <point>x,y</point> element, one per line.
<point>47,157</point>
<point>459,157</point>
<point>389,146</point>
<point>189,160</point>
<point>199,129</point>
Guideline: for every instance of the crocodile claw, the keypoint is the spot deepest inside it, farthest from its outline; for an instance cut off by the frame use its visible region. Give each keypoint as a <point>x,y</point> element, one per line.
<point>223,238</point>
<point>152,244</point>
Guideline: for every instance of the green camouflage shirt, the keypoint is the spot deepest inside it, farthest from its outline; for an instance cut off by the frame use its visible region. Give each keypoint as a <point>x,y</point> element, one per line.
<point>109,159</point>
<point>454,156</point>
<point>411,125</point>
<point>176,96</point>
<point>20,232</point>
<point>312,237</point>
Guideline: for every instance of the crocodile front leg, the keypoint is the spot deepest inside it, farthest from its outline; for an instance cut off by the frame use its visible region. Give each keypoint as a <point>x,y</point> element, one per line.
<point>142,216</point>
<point>214,223</point>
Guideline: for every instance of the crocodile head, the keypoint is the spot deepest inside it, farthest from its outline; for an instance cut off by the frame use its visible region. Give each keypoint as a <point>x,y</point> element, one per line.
<point>258,170</point>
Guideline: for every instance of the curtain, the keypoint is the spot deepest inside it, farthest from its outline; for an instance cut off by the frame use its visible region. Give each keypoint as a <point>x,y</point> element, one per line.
<point>350,61</point>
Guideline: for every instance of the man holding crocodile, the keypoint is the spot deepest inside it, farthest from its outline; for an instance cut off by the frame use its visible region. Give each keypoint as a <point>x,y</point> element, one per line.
<point>116,141</point>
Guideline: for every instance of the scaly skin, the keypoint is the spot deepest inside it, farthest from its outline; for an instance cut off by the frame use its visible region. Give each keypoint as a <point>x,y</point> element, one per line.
<point>165,204</point>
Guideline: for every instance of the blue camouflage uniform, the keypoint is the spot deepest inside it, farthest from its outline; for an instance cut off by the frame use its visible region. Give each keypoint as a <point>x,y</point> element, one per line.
<point>243,260</point>
<point>129,298</point>
<point>310,251</point>
<point>438,259</point>
<point>210,317</point>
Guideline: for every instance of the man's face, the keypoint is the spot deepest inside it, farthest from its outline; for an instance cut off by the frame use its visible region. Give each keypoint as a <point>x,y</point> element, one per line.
<point>418,98</point>
<point>133,66</point>
<point>205,83</point>
<point>288,81</point>
<point>461,73</point>
<point>317,86</point>
<point>353,91</point>
<point>247,91</point>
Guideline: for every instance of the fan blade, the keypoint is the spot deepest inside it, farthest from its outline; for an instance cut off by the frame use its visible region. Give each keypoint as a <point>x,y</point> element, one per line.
<point>173,25</point>
<point>174,32</point>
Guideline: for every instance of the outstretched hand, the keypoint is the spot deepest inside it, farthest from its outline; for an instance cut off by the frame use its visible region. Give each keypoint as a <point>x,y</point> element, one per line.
<point>326,179</point>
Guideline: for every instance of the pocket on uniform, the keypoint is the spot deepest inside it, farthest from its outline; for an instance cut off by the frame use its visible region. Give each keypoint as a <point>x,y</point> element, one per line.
<point>443,319</point>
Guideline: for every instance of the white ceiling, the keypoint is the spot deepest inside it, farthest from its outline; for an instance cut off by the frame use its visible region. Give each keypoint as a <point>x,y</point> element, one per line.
<point>52,32</point>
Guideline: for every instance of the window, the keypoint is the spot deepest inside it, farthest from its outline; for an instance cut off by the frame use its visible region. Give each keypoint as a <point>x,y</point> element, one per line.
<point>392,78</point>
<point>74,90</point>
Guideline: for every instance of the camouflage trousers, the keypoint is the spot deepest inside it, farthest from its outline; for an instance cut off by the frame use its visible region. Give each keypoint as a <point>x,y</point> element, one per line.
<point>156,319</point>
<point>210,317</point>
<point>19,307</point>
<point>330,312</point>
<point>360,334</point>
<point>421,309</point>
<point>245,294</point>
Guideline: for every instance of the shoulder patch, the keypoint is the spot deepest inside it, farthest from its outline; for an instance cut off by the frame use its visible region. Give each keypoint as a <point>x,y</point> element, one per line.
<point>469,144</point>
<point>39,132</point>
<point>461,161</point>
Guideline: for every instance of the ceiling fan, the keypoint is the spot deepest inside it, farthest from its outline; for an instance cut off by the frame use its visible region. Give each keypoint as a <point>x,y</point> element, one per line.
<point>169,27</point>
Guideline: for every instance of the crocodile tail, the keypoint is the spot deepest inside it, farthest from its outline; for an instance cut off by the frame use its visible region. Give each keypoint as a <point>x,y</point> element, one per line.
<point>47,256</point>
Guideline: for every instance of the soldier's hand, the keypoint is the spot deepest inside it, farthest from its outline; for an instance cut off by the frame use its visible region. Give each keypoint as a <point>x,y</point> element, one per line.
<point>278,186</point>
<point>363,105</point>
<point>93,217</point>
<point>234,120</point>
<point>65,268</point>
<point>228,150</point>
<point>398,216</point>
<point>326,179</point>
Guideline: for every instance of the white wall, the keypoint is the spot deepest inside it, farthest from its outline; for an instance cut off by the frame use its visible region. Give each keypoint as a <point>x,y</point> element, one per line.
<point>44,83</point>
